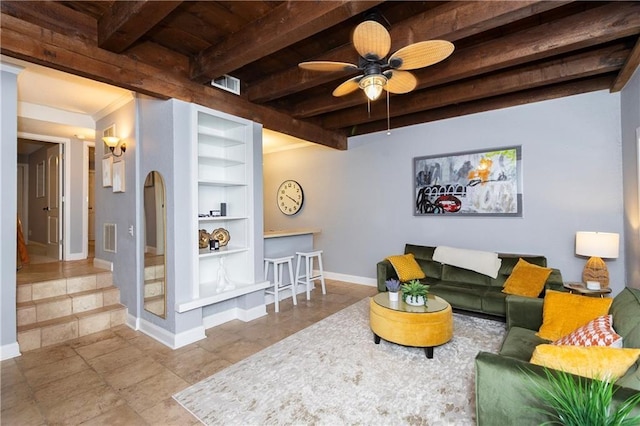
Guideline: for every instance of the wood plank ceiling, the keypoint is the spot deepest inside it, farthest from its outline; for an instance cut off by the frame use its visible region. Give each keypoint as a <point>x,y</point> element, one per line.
<point>507,53</point>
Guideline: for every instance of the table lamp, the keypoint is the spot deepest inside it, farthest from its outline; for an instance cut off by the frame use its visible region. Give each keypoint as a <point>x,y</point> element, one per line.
<point>597,245</point>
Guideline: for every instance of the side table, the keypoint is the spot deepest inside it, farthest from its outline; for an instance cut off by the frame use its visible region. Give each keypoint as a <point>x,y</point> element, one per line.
<point>581,288</point>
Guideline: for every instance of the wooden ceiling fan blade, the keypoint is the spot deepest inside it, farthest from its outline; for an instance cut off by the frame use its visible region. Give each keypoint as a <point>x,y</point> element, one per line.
<point>400,81</point>
<point>371,40</point>
<point>347,87</point>
<point>327,66</point>
<point>421,54</point>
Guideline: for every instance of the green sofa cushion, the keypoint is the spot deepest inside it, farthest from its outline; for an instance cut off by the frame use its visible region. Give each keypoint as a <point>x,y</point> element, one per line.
<point>625,308</point>
<point>424,256</point>
<point>459,275</point>
<point>520,343</point>
<point>493,302</point>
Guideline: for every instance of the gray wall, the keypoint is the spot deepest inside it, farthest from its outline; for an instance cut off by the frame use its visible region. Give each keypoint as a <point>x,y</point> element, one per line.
<point>630,103</point>
<point>362,198</point>
<point>8,183</point>
<point>120,208</point>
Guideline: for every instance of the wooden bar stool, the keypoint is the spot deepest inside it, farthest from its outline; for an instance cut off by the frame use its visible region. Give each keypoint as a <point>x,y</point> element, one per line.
<point>307,278</point>
<point>278,284</point>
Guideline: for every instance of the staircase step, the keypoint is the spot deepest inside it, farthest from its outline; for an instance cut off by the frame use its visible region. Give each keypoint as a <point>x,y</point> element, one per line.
<point>154,287</point>
<point>59,306</point>
<point>59,287</point>
<point>68,327</point>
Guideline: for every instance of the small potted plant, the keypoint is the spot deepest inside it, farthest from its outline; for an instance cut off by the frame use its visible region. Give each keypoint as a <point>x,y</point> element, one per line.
<point>393,286</point>
<point>415,293</point>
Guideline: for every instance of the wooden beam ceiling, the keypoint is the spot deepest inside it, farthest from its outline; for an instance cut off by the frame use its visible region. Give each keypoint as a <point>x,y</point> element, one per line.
<point>127,21</point>
<point>25,41</point>
<point>285,25</point>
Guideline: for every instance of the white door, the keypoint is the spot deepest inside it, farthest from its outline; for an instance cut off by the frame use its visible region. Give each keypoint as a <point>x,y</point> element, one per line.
<point>53,195</point>
<point>91,205</point>
<point>23,197</point>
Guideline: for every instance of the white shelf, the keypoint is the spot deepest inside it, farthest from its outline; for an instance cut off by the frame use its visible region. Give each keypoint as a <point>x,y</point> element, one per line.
<point>220,218</point>
<point>218,161</point>
<point>221,183</point>
<point>208,296</point>
<point>222,251</point>
<point>216,137</point>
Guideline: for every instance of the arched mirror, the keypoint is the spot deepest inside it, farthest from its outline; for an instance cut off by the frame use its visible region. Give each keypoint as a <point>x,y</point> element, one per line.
<point>155,219</point>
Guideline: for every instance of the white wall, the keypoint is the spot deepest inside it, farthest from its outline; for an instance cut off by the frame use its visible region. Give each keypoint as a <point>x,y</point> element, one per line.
<point>630,104</point>
<point>362,198</point>
<point>8,183</point>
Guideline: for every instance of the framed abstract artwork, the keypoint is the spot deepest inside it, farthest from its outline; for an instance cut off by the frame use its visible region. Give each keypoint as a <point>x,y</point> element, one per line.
<point>107,163</point>
<point>118,176</point>
<point>473,183</point>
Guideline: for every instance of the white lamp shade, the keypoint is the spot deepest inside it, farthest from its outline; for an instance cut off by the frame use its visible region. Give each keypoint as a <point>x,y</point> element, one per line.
<point>598,244</point>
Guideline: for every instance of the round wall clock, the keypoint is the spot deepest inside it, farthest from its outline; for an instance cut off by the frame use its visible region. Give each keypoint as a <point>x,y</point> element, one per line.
<point>290,197</point>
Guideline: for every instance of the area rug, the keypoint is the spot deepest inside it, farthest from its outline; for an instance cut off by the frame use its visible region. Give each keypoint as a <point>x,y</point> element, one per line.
<point>332,373</point>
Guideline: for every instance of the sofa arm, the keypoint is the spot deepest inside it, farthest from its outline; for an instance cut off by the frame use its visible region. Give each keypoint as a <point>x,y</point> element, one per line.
<point>504,394</point>
<point>385,271</point>
<point>525,312</point>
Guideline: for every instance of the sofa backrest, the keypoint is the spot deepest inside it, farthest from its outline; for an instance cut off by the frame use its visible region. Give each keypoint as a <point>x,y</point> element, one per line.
<point>626,321</point>
<point>436,270</point>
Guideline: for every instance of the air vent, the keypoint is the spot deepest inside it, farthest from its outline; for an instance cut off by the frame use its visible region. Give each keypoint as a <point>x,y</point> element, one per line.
<point>109,237</point>
<point>228,83</point>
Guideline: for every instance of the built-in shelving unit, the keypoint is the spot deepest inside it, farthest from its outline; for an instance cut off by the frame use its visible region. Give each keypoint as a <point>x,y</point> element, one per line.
<point>224,159</point>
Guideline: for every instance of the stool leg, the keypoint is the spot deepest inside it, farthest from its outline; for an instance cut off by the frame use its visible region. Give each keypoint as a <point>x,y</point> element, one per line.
<point>266,269</point>
<point>324,289</point>
<point>276,286</point>
<point>308,263</point>
<point>298,260</point>
<point>292,286</point>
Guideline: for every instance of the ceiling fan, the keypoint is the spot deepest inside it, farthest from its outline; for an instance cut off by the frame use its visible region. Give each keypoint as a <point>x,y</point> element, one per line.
<point>373,42</point>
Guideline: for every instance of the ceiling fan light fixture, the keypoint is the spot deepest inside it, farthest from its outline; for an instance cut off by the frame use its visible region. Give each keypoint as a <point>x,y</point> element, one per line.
<point>372,85</point>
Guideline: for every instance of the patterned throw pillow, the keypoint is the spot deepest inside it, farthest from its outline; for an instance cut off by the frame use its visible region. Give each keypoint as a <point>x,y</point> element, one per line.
<point>598,332</point>
<point>406,267</point>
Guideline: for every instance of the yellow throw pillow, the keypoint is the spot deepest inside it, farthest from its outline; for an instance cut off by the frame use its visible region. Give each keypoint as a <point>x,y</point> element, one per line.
<point>596,362</point>
<point>564,312</point>
<point>526,279</point>
<point>406,267</point>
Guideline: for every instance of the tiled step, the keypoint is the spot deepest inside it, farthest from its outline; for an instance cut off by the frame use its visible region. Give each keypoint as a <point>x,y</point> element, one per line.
<point>52,288</point>
<point>58,330</point>
<point>67,304</point>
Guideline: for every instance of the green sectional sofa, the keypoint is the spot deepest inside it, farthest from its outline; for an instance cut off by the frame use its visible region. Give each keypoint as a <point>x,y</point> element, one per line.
<point>462,288</point>
<point>502,395</point>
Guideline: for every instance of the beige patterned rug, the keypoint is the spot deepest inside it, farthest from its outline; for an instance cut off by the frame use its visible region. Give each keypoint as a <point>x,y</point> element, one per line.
<point>332,373</point>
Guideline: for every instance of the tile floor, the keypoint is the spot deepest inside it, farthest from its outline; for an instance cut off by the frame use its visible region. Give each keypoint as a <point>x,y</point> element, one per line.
<point>123,377</point>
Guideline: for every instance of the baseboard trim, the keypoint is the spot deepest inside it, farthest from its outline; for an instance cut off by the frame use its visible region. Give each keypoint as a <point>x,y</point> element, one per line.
<point>9,351</point>
<point>104,264</point>
<point>245,315</point>
<point>167,338</point>
<point>371,282</point>
<point>76,256</point>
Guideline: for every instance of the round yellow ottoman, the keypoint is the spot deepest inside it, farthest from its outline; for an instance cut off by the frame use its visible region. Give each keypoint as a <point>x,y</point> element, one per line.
<point>420,326</point>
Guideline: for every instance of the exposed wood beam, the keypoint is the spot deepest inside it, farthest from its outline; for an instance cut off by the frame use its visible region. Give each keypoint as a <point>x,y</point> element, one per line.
<point>126,21</point>
<point>287,24</point>
<point>633,61</point>
<point>451,21</point>
<point>600,61</point>
<point>53,15</point>
<point>498,102</point>
<point>32,43</point>
<point>589,28</point>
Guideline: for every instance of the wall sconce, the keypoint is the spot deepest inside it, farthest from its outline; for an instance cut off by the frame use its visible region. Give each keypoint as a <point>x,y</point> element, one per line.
<point>112,142</point>
<point>597,245</point>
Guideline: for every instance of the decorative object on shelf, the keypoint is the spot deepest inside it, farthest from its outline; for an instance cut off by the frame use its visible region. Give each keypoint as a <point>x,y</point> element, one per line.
<point>415,293</point>
<point>473,183</point>
<point>203,238</point>
<point>222,235</point>
<point>223,282</point>
<point>223,209</point>
<point>290,197</point>
<point>214,244</point>
<point>597,245</point>
<point>393,286</point>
